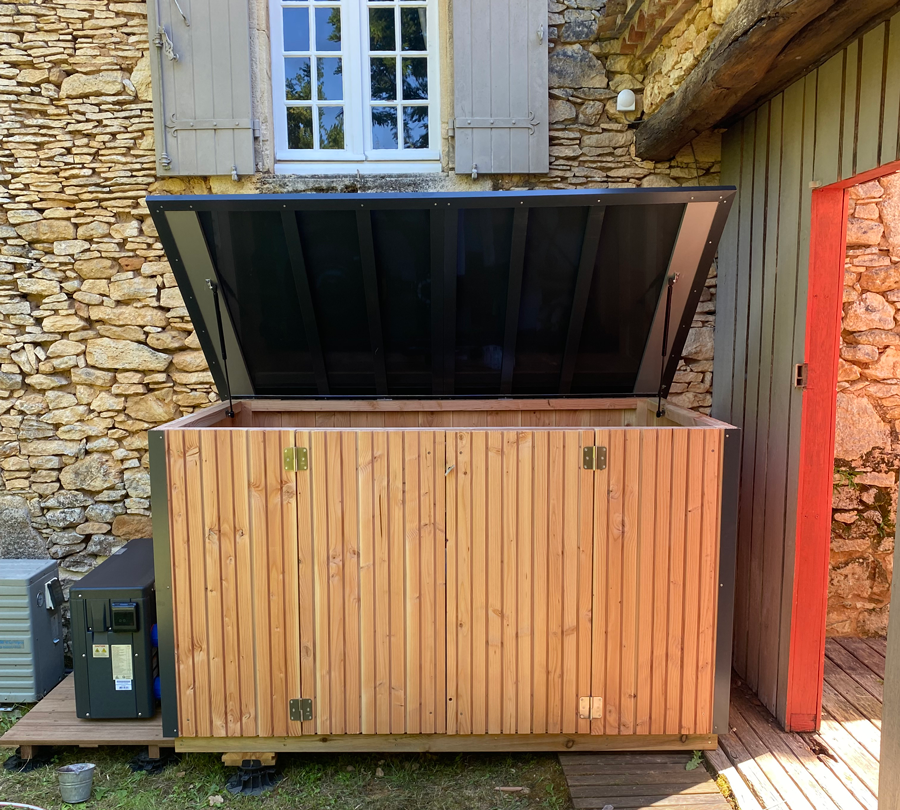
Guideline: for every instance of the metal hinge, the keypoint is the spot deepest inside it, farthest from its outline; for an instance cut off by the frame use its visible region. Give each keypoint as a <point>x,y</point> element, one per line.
<point>590,708</point>
<point>300,709</point>
<point>525,122</point>
<point>196,124</point>
<point>594,458</point>
<point>801,373</point>
<point>296,459</point>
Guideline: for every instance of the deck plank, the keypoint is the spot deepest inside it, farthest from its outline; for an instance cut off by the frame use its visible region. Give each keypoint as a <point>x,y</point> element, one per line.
<point>862,652</point>
<point>855,669</point>
<point>52,721</point>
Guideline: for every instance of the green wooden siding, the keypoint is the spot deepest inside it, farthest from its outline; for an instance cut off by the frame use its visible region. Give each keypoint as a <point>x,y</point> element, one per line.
<point>834,123</point>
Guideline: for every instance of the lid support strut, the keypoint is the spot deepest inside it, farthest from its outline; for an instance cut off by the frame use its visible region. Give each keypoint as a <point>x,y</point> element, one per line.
<point>513,298</point>
<point>665,344</point>
<point>370,286</point>
<point>215,291</point>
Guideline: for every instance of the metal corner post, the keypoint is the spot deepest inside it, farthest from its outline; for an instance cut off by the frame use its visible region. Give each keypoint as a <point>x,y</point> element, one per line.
<point>731,470</point>
<point>162,562</point>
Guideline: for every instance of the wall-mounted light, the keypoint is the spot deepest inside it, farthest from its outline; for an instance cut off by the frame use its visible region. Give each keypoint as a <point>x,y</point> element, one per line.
<point>625,101</point>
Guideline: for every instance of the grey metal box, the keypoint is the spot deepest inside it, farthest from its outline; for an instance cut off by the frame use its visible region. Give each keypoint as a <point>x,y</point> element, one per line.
<point>31,638</point>
<point>113,613</point>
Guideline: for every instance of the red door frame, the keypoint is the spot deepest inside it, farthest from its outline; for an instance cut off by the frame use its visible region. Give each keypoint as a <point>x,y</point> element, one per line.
<point>827,254</point>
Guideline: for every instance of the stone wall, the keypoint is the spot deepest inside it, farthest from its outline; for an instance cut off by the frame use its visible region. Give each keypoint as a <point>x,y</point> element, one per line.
<point>95,343</point>
<point>867,446</point>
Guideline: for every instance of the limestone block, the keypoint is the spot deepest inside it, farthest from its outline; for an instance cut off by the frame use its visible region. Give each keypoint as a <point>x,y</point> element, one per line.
<point>67,500</point>
<point>80,85</point>
<point>44,381</point>
<point>847,371</point>
<point>97,268</point>
<point>93,230</point>
<point>877,337</point>
<point>65,348</point>
<point>871,311</point>
<point>658,181</point>
<point>865,191</point>
<point>863,231</point>
<point>573,66</point>
<point>130,316</point>
<point>890,211</point>
<point>190,361</point>
<point>173,340</point>
<point>171,297</point>
<point>64,323</point>
<point>137,483</point>
<point>63,518</point>
<point>70,247</point>
<point>95,472</point>
<point>9,381</point>
<point>19,539</point>
<point>699,344</point>
<point>887,367</point>
<point>859,429</point>
<point>157,406</point>
<point>130,527</point>
<point>131,289</point>
<point>881,279</point>
<point>613,140</point>
<point>125,354</point>
<point>46,230</point>
<point>859,353</point>
<point>140,78</point>
<point>107,402</point>
<point>91,376</point>
<point>37,286</point>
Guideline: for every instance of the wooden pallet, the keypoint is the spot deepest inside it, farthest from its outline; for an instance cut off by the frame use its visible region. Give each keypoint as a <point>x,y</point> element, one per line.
<point>53,722</point>
<point>637,781</point>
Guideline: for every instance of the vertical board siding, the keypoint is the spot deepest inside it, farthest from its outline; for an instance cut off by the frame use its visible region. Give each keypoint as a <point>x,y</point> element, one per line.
<point>837,121</point>
<point>326,584</point>
<point>566,583</point>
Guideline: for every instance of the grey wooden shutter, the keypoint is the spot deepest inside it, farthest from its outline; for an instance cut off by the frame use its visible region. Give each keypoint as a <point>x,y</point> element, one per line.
<point>500,86</point>
<point>200,66</point>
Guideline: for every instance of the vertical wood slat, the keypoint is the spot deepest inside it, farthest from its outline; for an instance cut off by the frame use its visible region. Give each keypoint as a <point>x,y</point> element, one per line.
<point>306,589</point>
<point>871,95</point>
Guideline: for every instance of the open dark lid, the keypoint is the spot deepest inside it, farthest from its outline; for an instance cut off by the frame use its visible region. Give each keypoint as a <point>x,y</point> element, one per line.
<point>538,294</point>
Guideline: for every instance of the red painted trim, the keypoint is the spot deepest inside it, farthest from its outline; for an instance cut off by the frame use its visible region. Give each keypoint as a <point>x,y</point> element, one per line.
<point>872,174</point>
<point>828,239</point>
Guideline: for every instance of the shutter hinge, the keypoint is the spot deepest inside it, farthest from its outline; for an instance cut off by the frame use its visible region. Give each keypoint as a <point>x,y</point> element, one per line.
<point>296,459</point>
<point>301,709</point>
<point>162,41</point>
<point>210,123</point>
<point>594,458</point>
<point>590,708</point>
<point>801,374</point>
<point>525,122</point>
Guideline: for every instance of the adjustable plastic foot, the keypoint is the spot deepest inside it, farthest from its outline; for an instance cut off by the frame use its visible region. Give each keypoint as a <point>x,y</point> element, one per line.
<point>253,778</point>
<point>28,758</point>
<point>144,763</point>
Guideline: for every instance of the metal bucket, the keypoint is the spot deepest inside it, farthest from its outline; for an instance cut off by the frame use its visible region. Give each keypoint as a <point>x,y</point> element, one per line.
<point>75,782</point>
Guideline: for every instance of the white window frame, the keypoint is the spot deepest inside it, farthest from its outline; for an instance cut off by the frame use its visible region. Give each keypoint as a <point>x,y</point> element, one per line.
<point>358,154</point>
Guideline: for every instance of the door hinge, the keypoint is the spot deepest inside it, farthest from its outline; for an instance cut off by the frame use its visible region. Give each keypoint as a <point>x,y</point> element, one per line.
<point>301,709</point>
<point>594,458</point>
<point>590,708</point>
<point>801,373</point>
<point>296,459</point>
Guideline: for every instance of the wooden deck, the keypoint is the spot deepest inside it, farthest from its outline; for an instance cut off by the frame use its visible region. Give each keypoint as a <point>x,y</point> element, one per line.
<point>53,722</point>
<point>836,769</point>
<point>637,781</point>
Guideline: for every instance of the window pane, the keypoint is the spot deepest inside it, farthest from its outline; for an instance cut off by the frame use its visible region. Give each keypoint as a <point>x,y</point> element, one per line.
<point>328,29</point>
<point>299,125</point>
<point>331,127</point>
<point>384,127</point>
<point>415,127</point>
<point>296,29</point>
<point>415,78</point>
<point>330,79</point>
<point>382,36</point>
<point>413,31</point>
<point>384,79</point>
<point>297,79</point>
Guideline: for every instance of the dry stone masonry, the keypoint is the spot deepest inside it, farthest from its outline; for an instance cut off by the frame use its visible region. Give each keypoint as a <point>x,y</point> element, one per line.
<point>95,342</point>
<point>867,443</point>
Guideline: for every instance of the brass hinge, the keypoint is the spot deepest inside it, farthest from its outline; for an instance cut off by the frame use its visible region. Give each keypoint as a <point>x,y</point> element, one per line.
<point>594,458</point>
<point>296,459</point>
<point>590,708</point>
<point>801,373</point>
<point>300,709</point>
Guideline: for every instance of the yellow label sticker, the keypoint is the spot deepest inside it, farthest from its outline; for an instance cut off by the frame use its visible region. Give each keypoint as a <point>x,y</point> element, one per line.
<point>122,669</point>
<point>101,651</point>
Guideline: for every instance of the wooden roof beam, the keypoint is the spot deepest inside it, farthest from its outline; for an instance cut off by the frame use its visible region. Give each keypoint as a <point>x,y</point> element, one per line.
<point>752,44</point>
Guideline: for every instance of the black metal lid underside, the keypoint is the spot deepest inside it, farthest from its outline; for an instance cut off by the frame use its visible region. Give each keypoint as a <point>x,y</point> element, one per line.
<point>487,294</point>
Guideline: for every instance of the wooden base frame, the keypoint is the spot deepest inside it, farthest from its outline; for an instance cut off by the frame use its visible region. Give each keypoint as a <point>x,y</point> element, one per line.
<point>442,743</point>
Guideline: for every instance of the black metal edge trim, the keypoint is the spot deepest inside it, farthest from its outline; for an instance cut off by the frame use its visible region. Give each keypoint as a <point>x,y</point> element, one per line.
<point>189,294</point>
<point>704,264</point>
<point>162,564</point>
<point>472,199</point>
<point>731,470</point>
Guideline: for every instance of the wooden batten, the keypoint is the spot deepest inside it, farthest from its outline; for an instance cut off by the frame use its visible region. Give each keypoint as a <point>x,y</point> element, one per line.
<point>437,575</point>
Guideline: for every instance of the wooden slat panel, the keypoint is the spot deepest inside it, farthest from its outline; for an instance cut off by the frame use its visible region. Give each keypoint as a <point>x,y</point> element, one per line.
<point>463,584</point>
<point>630,537</point>
<point>677,564</point>
<point>646,601</point>
<point>181,588</point>
<point>494,583</point>
<point>614,555</point>
<point>851,110</point>
<point>890,128</point>
<point>322,715</point>
<point>452,487</point>
<point>368,602</point>
<point>427,584</point>
<point>397,557</point>
<point>349,499</point>
<point>306,588</point>
<point>570,558</point>
<point>381,518</point>
<point>659,654</point>
<point>524,581</point>
<point>210,543</point>
<point>556,586</point>
<point>509,659</point>
<point>585,533</point>
<point>828,119</point>
<point>479,581</point>
<point>412,593</point>
<point>541,595</point>
<point>245,582</point>
<point>693,545</point>
<point>441,463</point>
<point>600,625</point>
<point>276,492</point>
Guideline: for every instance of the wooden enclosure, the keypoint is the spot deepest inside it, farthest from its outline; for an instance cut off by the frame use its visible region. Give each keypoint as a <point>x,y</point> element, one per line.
<point>445,570</point>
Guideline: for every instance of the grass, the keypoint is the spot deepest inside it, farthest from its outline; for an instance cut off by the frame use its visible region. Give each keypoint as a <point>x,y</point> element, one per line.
<point>311,782</point>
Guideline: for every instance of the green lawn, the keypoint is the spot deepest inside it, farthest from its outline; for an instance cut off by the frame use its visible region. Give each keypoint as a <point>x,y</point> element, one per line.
<point>314,782</point>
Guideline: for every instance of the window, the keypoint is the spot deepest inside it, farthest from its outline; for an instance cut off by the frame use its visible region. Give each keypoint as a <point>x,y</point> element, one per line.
<point>355,84</point>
